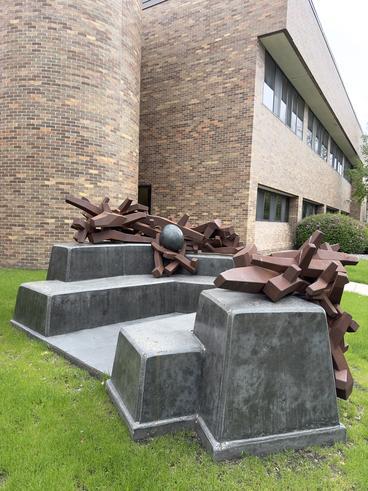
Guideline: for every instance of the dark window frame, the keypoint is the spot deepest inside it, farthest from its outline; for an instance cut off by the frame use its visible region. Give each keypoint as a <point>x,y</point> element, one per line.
<point>317,136</point>
<point>281,97</point>
<point>272,206</point>
<point>337,158</point>
<point>309,208</point>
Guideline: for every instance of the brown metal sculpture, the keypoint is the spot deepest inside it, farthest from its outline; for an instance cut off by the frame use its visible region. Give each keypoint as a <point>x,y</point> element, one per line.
<point>315,271</point>
<point>133,224</point>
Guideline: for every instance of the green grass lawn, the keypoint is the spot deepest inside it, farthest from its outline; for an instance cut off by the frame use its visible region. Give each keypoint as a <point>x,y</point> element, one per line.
<point>59,430</point>
<point>359,273</point>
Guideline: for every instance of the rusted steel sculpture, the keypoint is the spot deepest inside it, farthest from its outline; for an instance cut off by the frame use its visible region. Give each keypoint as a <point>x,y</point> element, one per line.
<point>315,271</point>
<point>132,223</point>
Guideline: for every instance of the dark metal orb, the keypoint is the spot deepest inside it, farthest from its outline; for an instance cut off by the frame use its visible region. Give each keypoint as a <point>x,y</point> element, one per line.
<point>172,238</point>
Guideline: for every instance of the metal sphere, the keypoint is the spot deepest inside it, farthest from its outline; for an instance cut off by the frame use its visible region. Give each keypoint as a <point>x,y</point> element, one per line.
<point>172,238</point>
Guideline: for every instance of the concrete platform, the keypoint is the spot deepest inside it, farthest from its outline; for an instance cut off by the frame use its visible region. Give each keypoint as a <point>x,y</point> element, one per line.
<point>78,262</point>
<point>94,349</point>
<point>267,380</point>
<point>255,377</point>
<point>156,374</point>
<point>54,307</point>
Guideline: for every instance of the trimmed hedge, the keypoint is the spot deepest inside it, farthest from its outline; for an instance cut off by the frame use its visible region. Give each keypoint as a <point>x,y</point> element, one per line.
<point>349,233</point>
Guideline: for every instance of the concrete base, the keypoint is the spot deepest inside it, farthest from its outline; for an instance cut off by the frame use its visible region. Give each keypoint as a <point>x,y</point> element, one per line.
<point>142,431</point>
<point>254,377</point>
<point>157,369</point>
<point>259,381</point>
<point>54,307</point>
<point>264,445</point>
<point>72,262</point>
<point>267,369</point>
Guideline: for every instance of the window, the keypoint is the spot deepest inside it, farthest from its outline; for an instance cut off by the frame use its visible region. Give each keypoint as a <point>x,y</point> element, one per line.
<point>331,210</point>
<point>317,136</point>
<point>272,207</point>
<point>347,168</point>
<point>324,144</point>
<point>144,196</point>
<point>336,158</point>
<point>269,83</point>
<point>150,3</point>
<point>280,96</point>
<point>309,208</point>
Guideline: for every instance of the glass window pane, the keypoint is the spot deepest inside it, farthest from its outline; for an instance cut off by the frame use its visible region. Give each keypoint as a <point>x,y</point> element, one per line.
<point>284,209</point>
<point>294,111</point>
<point>317,135</point>
<point>300,108</point>
<point>273,207</point>
<point>268,94</point>
<point>267,205</point>
<point>324,146</point>
<point>278,92</point>
<point>283,100</point>
<point>280,96</point>
<point>270,71</point>
<point>278,208</point>
<point>289,105</point>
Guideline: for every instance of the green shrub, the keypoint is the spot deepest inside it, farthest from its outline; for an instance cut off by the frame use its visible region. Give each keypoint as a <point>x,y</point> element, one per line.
<point>341,229</point>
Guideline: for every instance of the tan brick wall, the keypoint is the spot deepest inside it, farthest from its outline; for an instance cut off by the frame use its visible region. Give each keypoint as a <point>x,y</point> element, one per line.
<point>69,98</point>
<point>282,161</point>
<point>198,72</point>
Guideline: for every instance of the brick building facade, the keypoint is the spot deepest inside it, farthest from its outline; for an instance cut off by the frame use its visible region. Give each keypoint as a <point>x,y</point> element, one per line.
<point>241,114</point>
<point>69,96</point>
<point>209,144</point>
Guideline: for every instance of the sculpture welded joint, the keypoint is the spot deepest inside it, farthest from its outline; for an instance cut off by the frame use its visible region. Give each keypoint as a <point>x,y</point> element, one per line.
<point>170,240</point>
<point>315,271</point>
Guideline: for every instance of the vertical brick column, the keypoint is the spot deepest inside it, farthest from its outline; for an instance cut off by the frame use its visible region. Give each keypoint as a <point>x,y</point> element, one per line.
<point>69,98</point>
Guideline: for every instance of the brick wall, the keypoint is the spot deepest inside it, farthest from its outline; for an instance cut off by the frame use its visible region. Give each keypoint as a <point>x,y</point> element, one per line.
<point>206,139</point>
<point>69,102</point>
<point>198,73</point>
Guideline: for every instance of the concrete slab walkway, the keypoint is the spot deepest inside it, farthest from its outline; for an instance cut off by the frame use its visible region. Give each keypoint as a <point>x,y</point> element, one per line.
<point>359,288</point>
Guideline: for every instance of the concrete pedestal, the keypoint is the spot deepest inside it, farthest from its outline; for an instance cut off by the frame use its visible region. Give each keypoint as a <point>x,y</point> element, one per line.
<point>249,375</point>
<point>256,377</point>
<point>77,262</point>
<point>156,375</point>
<point>267,380</point>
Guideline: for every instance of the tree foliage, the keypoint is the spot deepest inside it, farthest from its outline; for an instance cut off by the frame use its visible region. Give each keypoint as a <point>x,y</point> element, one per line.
<point>359,174</point>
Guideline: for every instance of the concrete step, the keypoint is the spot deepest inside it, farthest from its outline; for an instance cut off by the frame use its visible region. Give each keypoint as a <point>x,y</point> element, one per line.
<point>54,307</point>
<point>77,262</point>
<point>156,374</point>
